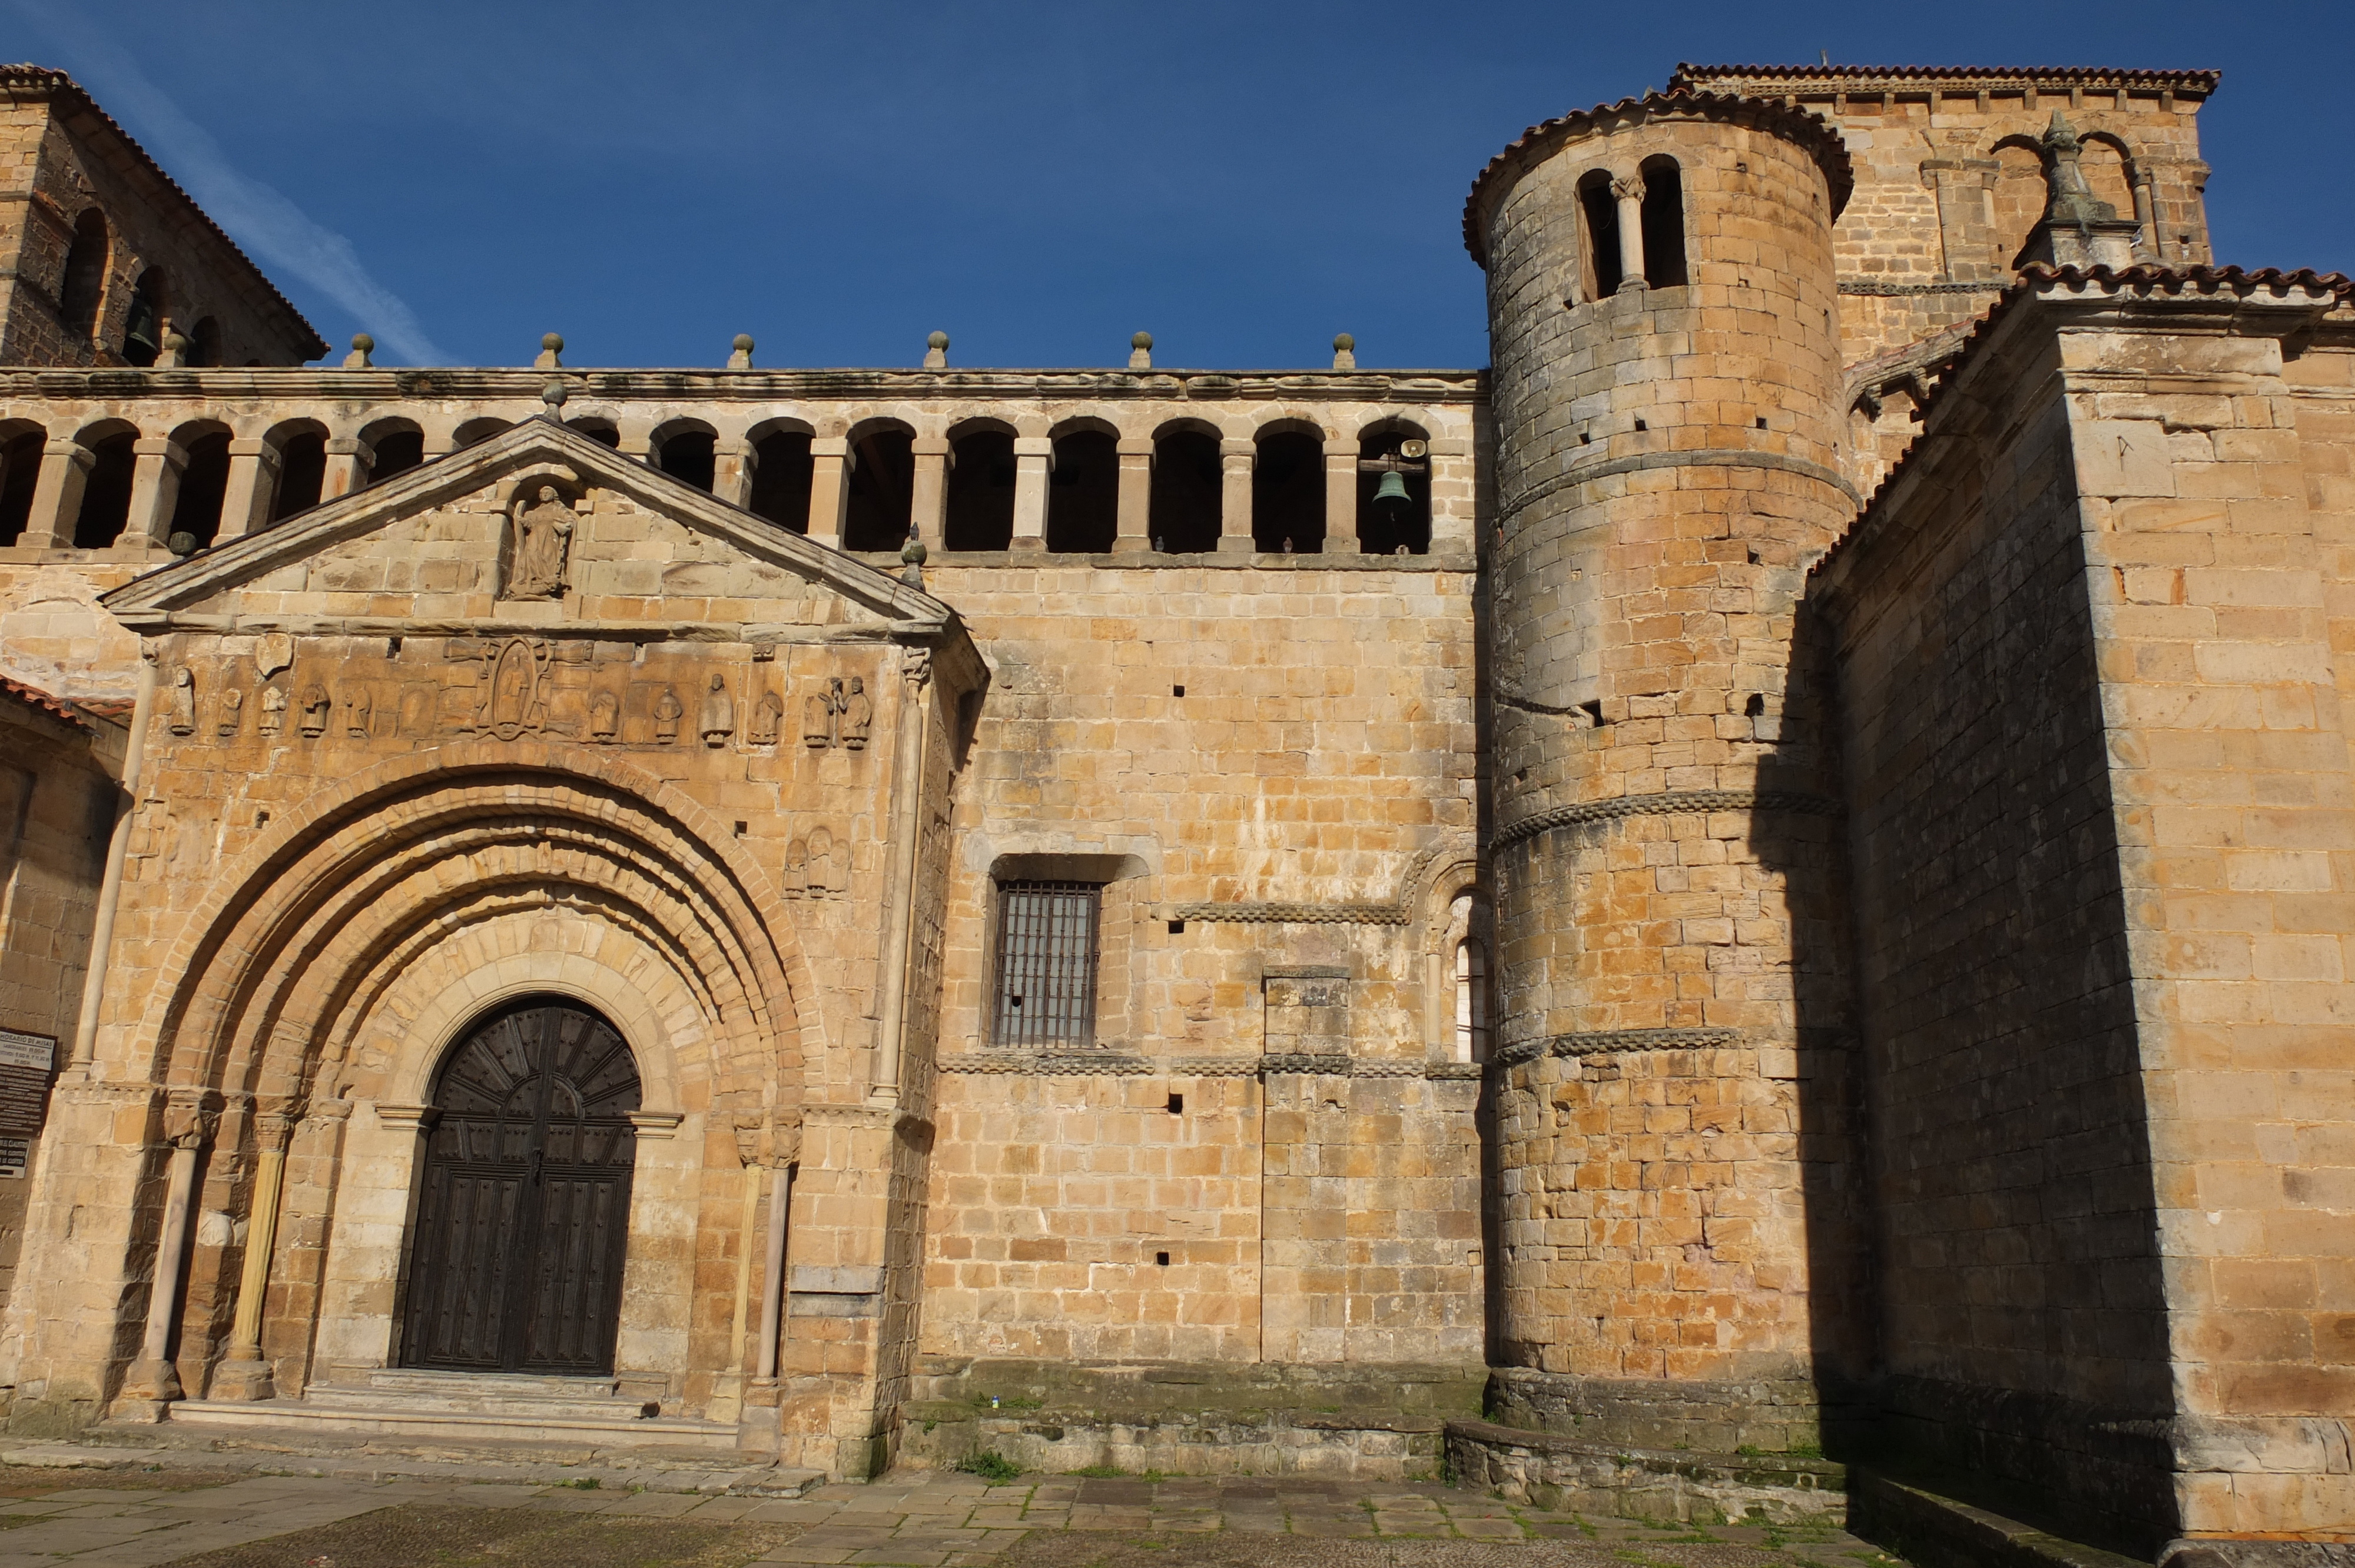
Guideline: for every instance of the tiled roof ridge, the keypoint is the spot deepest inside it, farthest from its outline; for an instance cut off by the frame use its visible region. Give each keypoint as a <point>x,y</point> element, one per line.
<point>1806,126</point>
<point>1688,74</point>
<point>40,700</point>
<point>50,79</point>
<point>2034,282</point>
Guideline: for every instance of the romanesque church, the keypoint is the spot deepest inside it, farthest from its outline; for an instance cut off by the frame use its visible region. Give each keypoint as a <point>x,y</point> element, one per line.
<point>1744,912</point>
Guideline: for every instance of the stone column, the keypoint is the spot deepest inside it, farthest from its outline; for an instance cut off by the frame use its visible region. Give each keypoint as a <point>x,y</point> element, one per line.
<point>245,1375</point>
<point>732,469</point>
<point>1134,514</point>
<point>57,495</point>
<point>348,461</point>
<point>153,1380</point>
<point>907,827</point>
<point>2146,246</point>
<point>830,464</point>
<point>1629,193</point>
<point>252,485</point>
<point>1034,460</point>
<point>928,504</point>
<point>1235,459</point>
<point>773,1285</point>
<point>154,489</point>
<point>1341,497</point>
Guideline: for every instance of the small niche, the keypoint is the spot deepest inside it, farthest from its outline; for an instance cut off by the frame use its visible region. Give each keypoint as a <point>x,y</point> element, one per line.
<point>1176,1104</point>
<point>1177,691</point>
<point>1584,439</point>
<point>1177,928</point>
<point>1594,711</point>
<point>261,818</point>
<point>1162,1258</point>
<point>392,647</point>
<point>740,829</point>
<point>1761,421</point>
<point>1640,424</point>
<point>1756,706</point>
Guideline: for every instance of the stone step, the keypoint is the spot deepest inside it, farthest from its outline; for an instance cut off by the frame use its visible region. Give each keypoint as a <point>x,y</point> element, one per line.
<point>414,1380</point>
<point>280,1451</point>
<point>390,1418</point>
<point>520,1404</point>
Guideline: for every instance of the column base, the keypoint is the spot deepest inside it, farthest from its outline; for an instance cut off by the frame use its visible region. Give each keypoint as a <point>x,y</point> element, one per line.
<point>244,1381</point>
<point>149,1380</point>
<point>1022,542</point>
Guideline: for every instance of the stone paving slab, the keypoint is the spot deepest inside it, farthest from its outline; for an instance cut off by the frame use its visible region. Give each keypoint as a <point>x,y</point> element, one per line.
<point>143,1518</point>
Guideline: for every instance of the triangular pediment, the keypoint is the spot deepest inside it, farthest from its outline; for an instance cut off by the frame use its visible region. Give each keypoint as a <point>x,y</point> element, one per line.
<point>538,526</point>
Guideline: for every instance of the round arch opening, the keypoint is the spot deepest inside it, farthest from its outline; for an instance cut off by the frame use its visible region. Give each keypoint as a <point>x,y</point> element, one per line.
<point>522,1229</point>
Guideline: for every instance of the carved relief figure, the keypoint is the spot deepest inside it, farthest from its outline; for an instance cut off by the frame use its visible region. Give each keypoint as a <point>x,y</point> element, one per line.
<point>274,709</point>
<point>817,867</point>
<point>666,715</point>
<point>718,718</point>
<point>543,546</point>
<point>817,720</point>
<point>358,708</point>
<point>232,713</point>
<point>512,699</point>
<point>314,711</point>
<point>796,869</point>
<point>768,718</point>
<point>858,716</point>
<point>604,716</point>
<point>183,701</point>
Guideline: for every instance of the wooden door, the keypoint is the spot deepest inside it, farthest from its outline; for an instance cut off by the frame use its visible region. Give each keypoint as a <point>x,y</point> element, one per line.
<point>523,1222</point>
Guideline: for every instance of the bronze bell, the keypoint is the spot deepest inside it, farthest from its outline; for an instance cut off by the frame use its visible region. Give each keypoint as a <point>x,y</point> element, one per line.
<point>1390,495</point>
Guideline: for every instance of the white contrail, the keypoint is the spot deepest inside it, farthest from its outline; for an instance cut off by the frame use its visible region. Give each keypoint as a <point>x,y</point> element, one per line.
<point>277,231</point>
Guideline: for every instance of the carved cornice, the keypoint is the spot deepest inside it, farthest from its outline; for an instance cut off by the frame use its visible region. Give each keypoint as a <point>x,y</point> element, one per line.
<point>1610,1042</point>
<point>1668,803</point>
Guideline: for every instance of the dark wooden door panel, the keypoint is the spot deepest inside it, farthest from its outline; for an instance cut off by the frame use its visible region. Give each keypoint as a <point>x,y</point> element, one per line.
<point>523,1219</point>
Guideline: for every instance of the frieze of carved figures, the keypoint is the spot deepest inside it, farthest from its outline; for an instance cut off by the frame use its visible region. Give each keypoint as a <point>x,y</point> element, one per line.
<point>668,712</point>
<point>273,710</point>
<point>182,710</point>
<point>231,712</point>
<point>316,704</point>
<point>604,716</point>
<point>817,867</point>
<point>718,720</point>
<point>768,718</point>
<point>511,699</point>
<point>840,714</point>
<point>359,708</point>
<point>542,539</point>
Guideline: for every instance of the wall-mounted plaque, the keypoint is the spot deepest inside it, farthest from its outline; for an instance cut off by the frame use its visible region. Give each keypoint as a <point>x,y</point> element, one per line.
<point>28,1063</point>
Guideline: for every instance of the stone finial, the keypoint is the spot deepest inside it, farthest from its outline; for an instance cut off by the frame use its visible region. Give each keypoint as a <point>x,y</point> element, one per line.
<point>936,351</point>
<point>362,346</point>
<point>551,351</point>
<point>741,356</point>
<point>1345,352</point>
<point>911,556</point>
<point>2078,229</point>
<point>1140,351</point>
<point>175,354</point>
<point>553,394</point>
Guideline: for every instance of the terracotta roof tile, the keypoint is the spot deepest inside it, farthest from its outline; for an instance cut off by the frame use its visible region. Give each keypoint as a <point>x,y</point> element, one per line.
<point>1805,127</point>
<point>1689,76</point>
<point>41,701</point>
<point>36,78</point>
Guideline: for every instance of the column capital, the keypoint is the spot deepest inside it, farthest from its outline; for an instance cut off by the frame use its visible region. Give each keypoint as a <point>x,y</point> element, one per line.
<point>1234,447</point>
<point>1134,446</point>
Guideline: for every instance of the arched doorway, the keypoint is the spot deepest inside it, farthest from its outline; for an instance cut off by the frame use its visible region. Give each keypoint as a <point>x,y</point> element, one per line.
<point>523,1222</point>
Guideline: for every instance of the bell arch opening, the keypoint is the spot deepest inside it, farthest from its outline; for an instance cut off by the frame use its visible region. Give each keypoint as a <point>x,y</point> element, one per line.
<point>522,1227</point>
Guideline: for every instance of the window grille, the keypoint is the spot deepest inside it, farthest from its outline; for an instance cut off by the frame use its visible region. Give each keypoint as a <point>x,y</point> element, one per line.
<point>1046,993</point>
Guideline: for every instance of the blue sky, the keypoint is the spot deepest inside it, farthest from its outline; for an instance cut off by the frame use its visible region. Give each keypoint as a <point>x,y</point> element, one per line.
<point>1243,180</point>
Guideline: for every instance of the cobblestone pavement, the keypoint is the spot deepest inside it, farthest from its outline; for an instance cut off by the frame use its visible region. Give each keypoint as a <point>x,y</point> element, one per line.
<point>134,1521</point>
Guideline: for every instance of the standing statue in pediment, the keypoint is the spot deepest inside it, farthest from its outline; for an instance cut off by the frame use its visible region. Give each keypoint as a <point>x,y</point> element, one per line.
<point>858,716</point>
<point>718,718</point>
<point>543,546</point>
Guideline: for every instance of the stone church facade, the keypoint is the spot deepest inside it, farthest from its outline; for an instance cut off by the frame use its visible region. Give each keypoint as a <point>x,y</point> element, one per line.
<point>1750,898</point>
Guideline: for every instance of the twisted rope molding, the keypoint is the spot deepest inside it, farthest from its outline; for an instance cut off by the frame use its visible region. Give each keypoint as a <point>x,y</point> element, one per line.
<point>1272,913</point>
<point>1089,1064</point>
<point>1667,803</point>
<point>1603,1041</point>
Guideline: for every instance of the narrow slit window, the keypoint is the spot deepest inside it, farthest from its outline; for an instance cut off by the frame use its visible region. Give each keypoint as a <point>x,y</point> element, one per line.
<point>1046,990</point>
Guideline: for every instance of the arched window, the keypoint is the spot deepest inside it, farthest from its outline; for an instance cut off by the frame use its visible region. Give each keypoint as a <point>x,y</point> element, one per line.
<point>106,494</point>
<point>1185,513</point>
<point>782,469</point>
<point>399,446</point>
<point>1083,492</point>
<point>205,342</point>
<point>603,431</point>
<point>1470,1001</point>
<point>1386,524</point>
<point>301,474</point>
<point>143,330</point>
<point>203,483</point>
<point>85,279</point>
<point>980,511</point>
<point>1599,262</point>
<point>1288,491</point>
<point>475,431</point>
<point>20,473</point>
<point>882,488</point>
<point>688,453</point>
<point>1664,223</point>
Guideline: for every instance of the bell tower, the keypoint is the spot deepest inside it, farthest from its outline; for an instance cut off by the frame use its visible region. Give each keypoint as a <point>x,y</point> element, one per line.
<point>1671,1109</point>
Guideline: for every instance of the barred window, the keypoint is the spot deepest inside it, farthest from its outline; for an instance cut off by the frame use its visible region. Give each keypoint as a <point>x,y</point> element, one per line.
<point>1046,993</point>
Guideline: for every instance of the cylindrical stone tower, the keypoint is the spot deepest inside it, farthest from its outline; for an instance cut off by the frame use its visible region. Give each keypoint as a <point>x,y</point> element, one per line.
<point>1672,1111</point>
